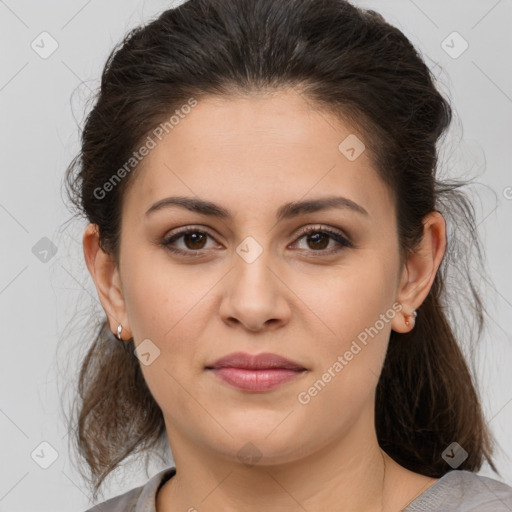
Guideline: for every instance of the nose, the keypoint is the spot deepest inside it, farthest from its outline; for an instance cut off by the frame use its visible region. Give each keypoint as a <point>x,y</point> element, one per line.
<point>254,296</point>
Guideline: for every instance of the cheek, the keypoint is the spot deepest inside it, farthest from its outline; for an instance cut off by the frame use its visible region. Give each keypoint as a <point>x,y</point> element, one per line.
<point>348,365</point>
<point>350,298</point>
<point>356,312</point>
<point>160,298</point>
<point>164,306</point>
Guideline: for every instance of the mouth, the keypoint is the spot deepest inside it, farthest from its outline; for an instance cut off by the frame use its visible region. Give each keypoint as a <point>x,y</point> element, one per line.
<point>256,373</point>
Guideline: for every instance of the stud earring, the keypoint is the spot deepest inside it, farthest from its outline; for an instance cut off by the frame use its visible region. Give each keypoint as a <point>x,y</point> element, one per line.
<point>118,335</point>
<point>413,315</point>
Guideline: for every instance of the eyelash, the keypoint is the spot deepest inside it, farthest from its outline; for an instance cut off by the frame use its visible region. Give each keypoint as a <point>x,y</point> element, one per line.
<point>338,237</point>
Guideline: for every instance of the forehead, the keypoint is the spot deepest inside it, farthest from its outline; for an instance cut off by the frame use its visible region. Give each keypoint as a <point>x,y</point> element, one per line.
<point>256,152</point>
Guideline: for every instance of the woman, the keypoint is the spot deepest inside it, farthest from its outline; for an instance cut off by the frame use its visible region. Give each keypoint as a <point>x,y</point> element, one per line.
<point>266,241</point>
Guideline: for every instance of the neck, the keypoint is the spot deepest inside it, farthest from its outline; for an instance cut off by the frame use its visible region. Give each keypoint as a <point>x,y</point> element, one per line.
<point>351,474</point>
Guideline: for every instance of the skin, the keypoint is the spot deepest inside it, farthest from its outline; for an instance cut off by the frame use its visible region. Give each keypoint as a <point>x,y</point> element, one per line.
<point>251,155</point>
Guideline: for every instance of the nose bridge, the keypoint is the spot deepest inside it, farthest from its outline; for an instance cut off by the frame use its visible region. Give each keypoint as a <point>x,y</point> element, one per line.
<point>251,274</point>
<point>253,293</point>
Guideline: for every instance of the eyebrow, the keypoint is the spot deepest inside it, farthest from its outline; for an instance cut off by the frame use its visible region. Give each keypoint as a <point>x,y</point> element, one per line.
<point>286,211</point>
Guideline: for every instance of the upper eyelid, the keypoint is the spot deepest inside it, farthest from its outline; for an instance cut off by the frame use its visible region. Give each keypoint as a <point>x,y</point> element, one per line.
<point>312,227</point>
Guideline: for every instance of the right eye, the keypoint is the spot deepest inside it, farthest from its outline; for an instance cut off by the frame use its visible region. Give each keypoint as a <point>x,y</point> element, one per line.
<point>193,239</point>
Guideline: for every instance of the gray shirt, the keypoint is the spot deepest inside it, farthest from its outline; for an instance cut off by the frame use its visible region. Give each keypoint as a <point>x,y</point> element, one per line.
<point>456,491</point>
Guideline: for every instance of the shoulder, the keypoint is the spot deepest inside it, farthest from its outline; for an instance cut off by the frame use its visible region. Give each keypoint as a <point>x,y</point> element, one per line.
<point>464,491</point>
<point>138,499</point>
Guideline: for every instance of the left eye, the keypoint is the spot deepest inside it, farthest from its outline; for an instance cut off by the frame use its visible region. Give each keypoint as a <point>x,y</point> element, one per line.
<point>194,240</point>
<point>320,238</point>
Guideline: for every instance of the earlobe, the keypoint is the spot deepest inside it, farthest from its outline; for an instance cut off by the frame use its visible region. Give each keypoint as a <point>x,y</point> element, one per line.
<point>105,274</point>
<point>420,270</point>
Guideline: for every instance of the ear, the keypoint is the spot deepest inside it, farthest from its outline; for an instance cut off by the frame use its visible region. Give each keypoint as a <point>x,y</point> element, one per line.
<point>420,270</point>
<point>105,273</point>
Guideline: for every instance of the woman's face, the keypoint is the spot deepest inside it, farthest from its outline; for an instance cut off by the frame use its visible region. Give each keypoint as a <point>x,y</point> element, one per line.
<point>251,281</point>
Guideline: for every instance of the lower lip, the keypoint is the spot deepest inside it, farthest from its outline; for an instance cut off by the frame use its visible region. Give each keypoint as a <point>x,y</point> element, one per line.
<point>256,380</point>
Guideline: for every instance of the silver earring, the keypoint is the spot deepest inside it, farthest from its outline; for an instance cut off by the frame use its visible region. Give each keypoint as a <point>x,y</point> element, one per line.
<point>413,315</point>
<point>118,335</point>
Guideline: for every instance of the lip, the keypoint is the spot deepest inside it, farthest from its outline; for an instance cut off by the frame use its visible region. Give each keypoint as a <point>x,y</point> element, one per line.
<point>256,373</point>
<point>264,361</point>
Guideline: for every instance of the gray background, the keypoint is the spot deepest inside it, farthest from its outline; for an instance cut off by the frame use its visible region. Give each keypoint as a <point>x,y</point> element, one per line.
<point>45,297</point>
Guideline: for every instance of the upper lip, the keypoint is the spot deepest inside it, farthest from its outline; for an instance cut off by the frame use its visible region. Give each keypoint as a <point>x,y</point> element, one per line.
<point>255,362</point>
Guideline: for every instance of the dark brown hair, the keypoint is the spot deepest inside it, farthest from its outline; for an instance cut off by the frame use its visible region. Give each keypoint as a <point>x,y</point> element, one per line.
<point>341,59</point>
